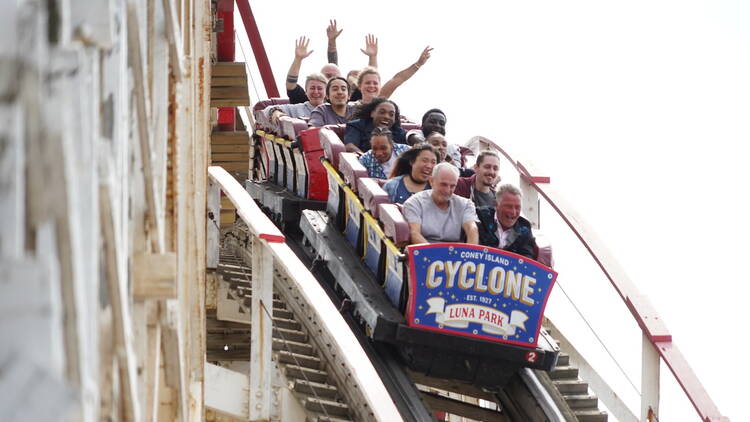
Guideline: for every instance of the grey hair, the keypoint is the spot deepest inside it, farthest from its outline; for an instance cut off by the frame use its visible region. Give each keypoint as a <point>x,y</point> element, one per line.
<point>507,188</point>
<point>444,165</point>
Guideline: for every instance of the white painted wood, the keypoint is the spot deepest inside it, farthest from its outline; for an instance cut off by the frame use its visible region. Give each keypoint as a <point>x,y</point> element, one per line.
<point>226,391</point>
<point>173,32</point>
<point>23,383</point>
<point>93,22</point>
<point>616,407</point>
<point>213,231</point>
<point>530,203</point>
<point>143,123</point>
<point>159,83</point>
<point>154,275</point>
<point>650,380</point>
<point>119,300</point>
<point>261,335</point>
<point>174,355</point>
<point>12,187</point>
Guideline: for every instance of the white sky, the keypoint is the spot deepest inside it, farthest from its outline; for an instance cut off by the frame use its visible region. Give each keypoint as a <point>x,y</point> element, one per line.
<point>640,113</point>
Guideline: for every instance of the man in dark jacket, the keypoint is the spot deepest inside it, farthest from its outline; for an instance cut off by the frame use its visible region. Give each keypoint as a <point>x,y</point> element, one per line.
<point>503,227</point>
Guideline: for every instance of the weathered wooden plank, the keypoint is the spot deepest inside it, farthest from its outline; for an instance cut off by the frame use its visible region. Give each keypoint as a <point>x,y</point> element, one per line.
<point>230,138</point>
<point>229,81</point>
<point>227,102</point>
<point>173,31</point>
<point>119,300</point>
<point>460,408</point>
<point>213,231</point>
<point>230,92</point>
<point>12,159</point>
<point>226,391</point>
<point>219,156</point>
<point>228,69</point>
<point>23,383</point>
<point>155,276</point>
<point>93,23</point>
<point>143,120</point>
<point>232,165</point>
<point>230,148</point>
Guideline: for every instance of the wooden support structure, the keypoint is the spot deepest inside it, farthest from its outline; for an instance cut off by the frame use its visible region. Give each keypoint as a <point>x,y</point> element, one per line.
<point>104,125</point>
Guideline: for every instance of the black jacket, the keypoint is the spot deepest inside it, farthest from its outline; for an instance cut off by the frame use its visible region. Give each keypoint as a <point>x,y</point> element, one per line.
<point>523,244</point>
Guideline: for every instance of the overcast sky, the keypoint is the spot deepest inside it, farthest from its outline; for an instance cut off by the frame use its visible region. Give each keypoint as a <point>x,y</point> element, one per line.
<point>640,113</point>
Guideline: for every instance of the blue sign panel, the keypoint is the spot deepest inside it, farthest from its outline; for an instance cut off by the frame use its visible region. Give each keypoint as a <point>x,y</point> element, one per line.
<point>477,291</point>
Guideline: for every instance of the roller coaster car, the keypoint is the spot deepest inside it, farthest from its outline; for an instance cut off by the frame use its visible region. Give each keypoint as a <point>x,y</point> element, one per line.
<point>455,311</point>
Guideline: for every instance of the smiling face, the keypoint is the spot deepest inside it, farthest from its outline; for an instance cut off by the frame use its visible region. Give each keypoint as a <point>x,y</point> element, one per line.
<point>381,148</point>
<point>440,143</point>
<point>487,171</point>
<point>315,92</point>
<point>435,122</point>
<point>338,92</point>
<point>443,185</point>
<point>370,87</point>
<point>421,168</point>
<point>508,208</point>
<point>384,115</point>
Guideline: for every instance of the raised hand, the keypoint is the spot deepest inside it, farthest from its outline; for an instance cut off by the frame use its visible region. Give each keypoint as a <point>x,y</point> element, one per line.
<point>332,31</point>
<point>424,56</point>
<point>300,48</point>
<point>371,46</point>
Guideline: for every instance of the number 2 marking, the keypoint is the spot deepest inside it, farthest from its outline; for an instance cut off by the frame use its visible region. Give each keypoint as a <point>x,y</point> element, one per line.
<point>531,357</point>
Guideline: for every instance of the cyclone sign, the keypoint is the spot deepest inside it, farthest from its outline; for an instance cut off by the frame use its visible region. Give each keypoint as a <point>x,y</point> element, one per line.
<point>477,291</point>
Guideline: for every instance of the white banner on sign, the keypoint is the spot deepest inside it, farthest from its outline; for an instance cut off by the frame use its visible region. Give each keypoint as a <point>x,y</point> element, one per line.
<point>459,315</point>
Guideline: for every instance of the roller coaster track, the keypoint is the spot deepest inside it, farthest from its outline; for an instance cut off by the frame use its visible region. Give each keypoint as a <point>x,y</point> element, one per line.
<point>309,358</point>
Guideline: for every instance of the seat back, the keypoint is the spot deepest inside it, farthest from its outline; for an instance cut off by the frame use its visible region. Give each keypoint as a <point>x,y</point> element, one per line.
<point>332,145</point>
<point>351,169</point>
<point>394,225</point>
<point>372,195</point>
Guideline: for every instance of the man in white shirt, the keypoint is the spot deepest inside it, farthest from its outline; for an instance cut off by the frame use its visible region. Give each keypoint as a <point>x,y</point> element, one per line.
<point>437,215</point>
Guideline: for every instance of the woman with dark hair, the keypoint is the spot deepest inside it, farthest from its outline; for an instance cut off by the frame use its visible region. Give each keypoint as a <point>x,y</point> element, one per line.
<point>411,172</point>
<point>380,112</point>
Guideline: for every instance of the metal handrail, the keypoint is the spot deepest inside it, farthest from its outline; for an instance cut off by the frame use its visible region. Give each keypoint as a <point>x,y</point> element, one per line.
<point>653,328</point>
<point>272,241</point>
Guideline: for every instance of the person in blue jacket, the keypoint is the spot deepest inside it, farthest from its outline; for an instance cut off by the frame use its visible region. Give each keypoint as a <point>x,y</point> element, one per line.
<point>380,112</point>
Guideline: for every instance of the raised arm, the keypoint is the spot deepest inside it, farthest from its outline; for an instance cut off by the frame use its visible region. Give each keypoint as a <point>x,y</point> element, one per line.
<point>300,52</point>
<point>332,32</point>
<point>371,50</point>
<point>404,75</point>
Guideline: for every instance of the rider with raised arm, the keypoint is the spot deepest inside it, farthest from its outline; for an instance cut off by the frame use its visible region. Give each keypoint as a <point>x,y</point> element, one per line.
<point>295,92</point>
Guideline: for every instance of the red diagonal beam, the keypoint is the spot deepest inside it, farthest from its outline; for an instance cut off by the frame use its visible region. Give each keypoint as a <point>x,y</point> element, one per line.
<point>264,66</point>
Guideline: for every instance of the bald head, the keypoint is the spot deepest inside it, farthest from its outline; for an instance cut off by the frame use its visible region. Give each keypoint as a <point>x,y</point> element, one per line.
<point>330,70</point>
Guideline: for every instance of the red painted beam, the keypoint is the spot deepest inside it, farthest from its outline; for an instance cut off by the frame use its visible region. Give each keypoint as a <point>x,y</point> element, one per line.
<point>225,39</point>
<point>264,66</point>
<point>225,49</point>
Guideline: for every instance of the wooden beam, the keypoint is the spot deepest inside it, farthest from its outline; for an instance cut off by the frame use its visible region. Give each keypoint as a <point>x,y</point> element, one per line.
<point>143,118</point>
<point>154,276</point>
<point>213,231</point>
<point>120,302</point>
<point>460,408</point>
<point>175,39</point>
<point>174,357</point>
<point>229,69</point>
<point>226,391</point>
